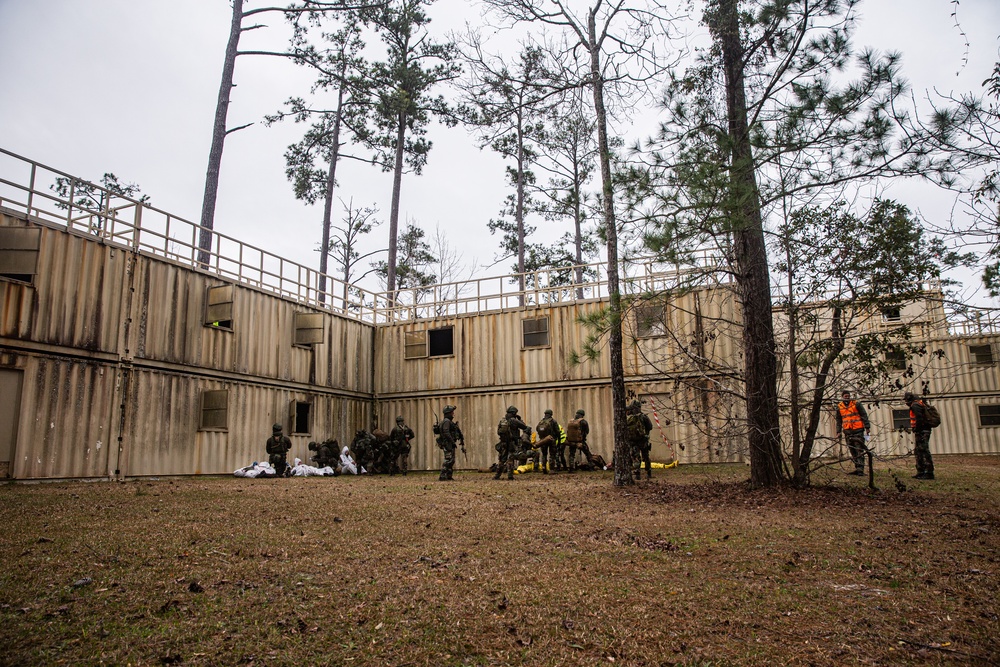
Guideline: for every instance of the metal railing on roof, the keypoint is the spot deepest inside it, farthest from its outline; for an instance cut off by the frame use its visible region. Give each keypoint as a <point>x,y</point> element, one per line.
<point>33,188</point>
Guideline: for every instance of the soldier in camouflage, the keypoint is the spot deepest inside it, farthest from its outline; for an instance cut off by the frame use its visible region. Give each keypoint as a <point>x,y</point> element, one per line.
<point>639,427</point>
<point>509,430</point>
<point>327,453</point>
<point>448,438</point>
<point>277,447</point>
<point>548,438</point>
<point>400,438</point>
<point>577,431</point>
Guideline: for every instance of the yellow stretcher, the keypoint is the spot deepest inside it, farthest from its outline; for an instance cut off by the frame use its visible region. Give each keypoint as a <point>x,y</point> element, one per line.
<point>528,467</point>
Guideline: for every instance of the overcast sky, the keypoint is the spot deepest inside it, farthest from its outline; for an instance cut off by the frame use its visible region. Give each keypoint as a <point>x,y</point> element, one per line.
<point>130,86</point>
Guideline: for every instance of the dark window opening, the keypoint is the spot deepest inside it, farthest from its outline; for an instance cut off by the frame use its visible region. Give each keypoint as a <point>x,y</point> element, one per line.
<point>535,332</point>
<point>981,354</point>
<point>440,342</point>
<point>989,415</point>
<point>896,360</point>
<point>901,420</point>
<point>891,314</point>
<point>301,417</point>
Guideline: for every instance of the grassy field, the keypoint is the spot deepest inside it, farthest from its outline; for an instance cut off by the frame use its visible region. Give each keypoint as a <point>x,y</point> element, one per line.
<point>691,568</point>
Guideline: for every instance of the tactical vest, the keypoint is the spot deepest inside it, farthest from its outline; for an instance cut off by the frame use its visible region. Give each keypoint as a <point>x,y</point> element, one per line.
<point>574,433</point>
<point>850,419</point>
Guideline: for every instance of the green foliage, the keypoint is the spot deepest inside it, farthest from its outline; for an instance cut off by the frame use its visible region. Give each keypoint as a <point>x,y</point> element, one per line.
<point>414,262</point>
<point>401,84</point>
<point>96,198</point>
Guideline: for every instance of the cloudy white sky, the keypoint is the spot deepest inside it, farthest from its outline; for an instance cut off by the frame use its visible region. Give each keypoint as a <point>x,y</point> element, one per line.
<point>130,86</point>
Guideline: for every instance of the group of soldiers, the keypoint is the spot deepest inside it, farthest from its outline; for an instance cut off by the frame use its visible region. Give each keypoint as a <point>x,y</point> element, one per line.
<point>550,448</point>
<point>375,452</point>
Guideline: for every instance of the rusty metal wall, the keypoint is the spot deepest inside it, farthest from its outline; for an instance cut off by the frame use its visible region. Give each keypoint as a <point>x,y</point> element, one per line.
<point>703,323</point>
<point>479,413</point>
<point>169,316</point>
<point>163,409</point>
<point>75,299</point>
<point>66,426</point>
<point>488,352</point>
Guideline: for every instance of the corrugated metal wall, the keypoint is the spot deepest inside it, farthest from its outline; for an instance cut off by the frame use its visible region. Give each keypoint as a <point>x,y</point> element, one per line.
<point>76,297</point>
<point>170,328</point>
<point>163,410</point>
<point>67,426</point>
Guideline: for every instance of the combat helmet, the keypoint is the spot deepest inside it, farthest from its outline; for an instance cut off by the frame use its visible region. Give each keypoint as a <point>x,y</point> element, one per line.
<point>511,410</point>
<point>277,428</point>
<point>548,413</point>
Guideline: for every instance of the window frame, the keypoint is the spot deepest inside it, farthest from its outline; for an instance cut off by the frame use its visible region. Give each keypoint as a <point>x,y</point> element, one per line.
<point>308,329</point>
<point>977,360</point>
<point>430,335</point>
<point>411,344</point>
<point>900,419</point>
<point>897,360</point>
<point>293,417</point>
<point>993,408</point>
<point>219,301</point>
<point>892,314</point>
<point>524,334</point>
<point>213,396</point>
<point>20,248</point>
<point>650,321</point>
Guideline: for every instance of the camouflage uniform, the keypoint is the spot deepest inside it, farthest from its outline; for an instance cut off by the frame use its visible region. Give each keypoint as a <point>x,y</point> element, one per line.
<point>576,437</point>
<point>448,440</point>
<point>509,444</point>
<point>277,449</point>
<point>327,453</point>
<point>399,439</point>
<point>363,449</point>
<point>548,440</point>
<point>921,436</point>
<point>640,444</point>
<point>853,423</point>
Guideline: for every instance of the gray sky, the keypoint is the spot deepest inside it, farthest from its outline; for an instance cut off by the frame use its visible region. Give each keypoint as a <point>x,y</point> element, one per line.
<point>129,86</point>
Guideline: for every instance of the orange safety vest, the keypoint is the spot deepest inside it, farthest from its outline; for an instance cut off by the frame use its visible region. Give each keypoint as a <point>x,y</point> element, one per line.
<point>913,417</point>
<point>850,420</point>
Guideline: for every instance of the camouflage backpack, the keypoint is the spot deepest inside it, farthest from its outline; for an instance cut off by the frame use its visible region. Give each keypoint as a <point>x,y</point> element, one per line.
<point>573,431</point>
<point>503,429</point>
<point>635,428</point>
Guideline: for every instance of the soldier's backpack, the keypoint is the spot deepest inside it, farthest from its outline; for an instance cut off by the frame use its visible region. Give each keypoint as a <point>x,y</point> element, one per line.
<point>573,431</point>
<point>932,415</point>
<point>544,428</point>
<point>436,428</point>
<point>503,429</point>
<point>635,428</point>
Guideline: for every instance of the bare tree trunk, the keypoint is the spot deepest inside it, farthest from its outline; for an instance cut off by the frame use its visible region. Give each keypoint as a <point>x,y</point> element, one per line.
<point>623,453</point>
<point>331,182</point>
<point>577,229</point>
<point>816,408</point>
<point>397,182</point>
<point>519,208</point>
<point>219,137</point>
<point>752,277</point>
<point>793,367</point>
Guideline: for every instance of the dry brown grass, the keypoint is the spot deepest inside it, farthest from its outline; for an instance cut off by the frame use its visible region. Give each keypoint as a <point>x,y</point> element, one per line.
<point>691,568</point>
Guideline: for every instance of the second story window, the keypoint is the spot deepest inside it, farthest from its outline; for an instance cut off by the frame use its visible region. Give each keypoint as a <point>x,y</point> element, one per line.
<point>19,252</point>
<point>219,307</point>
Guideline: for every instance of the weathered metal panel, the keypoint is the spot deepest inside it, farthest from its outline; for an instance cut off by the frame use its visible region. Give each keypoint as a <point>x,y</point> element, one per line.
<point>66,426</point>
<point>162,436</point>
<point>489,352</point>
<point>478,415</point>
<point>170,316</point>
<point>75,297</point>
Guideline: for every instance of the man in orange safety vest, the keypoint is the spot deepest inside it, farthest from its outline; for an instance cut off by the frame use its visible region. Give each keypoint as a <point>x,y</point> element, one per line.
<point>853,423</point>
